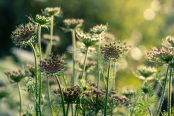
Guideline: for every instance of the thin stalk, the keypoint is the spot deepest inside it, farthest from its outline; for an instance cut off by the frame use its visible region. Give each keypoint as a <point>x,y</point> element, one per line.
<point>51,34</point>
<point>115,69</point>
<point>98,66</point>
<point>169,93</point>
<point>84,64</point>
<point>74,52</point>
<point>49,97</point>
<point>163,92</point>
<point>20,96</point>
<point>72,109</point>
<point>36,74</point>
<point>63,104</point>
<point>67,109</point>
<point>107,87</point>
<point>40,79</point>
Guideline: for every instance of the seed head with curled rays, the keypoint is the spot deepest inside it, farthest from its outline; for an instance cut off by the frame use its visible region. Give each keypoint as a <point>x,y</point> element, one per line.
<point>16,76</point>
<point>73,23</point>
<point>163,55</point>
<point>87,38</point>
<point>71,94</point>
<point>114,51</point>
<point>52,64</point>
<point>98,29</point>
<point>168,42</point>
<point>145,73</point>
<point>41,20</point>
<point>24,34</point>
<point>49,11</point>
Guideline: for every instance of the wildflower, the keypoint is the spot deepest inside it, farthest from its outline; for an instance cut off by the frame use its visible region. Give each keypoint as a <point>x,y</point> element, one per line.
<point>71,94</point>
<point>42,20</point>
<point>24,35</point>
<point>16,76</point>
<point>168,42</point>
<point>56,11</point>
<point>73,23</point>
<point>99,29</point>
<point>114,50</point>
<point>52,64</point>
<point>87,38</point>
<point>145,73</point>
<point>90,65</point>
<point>163,55</point>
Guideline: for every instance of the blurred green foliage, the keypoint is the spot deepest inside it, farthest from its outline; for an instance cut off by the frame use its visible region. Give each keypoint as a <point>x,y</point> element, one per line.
<point>142,22</point>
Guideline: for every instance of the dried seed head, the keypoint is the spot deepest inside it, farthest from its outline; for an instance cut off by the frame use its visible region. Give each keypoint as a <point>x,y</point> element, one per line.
<point>52,64</point>
<point>114,51</point>
<point>145,73</point>
<point>73,23</point>
<point>16,76</point>
<point>24,35</point>
<point>87,38</point>
<point>49,11</point>
<point>42,20</point>
<point>98,29</point>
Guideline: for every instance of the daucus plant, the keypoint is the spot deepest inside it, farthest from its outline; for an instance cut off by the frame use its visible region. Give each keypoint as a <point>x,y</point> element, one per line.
<point>73,25</point>
<point>110,52</point>
<point>164,55</point>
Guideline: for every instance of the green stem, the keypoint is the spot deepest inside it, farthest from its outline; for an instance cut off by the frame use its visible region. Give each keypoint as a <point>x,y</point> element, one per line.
<point>98,66</point>
<point>51,34</point>
<point>40,54</point>
<point>36,76</point>
<point>67,110</point>
<point>169,93</point>
<point>115,69</point>
<point>107,87</point>
<point>20,96</point>
<point>74,52</point>
<point>72,109</point>
<point>49,97</point>
<point>163,92</point>
<point>63,104</point>
<point>84,64</point>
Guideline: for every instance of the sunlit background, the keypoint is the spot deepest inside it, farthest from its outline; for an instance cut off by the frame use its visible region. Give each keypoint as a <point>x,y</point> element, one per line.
<point>142,23</point>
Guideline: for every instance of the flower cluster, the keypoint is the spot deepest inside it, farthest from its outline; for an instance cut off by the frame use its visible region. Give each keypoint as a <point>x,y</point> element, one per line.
<point>73,23</point>
<point>114,50</point>
<point>145,73</point>
<point>52,64</point>
<point>56,11</point>
<point>42,20</point>
<point>163,55</point>
<point>90,65</point>
<point>16,76</point>
<point>71,94</point>
<point>89,98</point>
<point>168,42</point>
<point>87,38</point>
<point>99,29</point>
<point>24,35</point>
